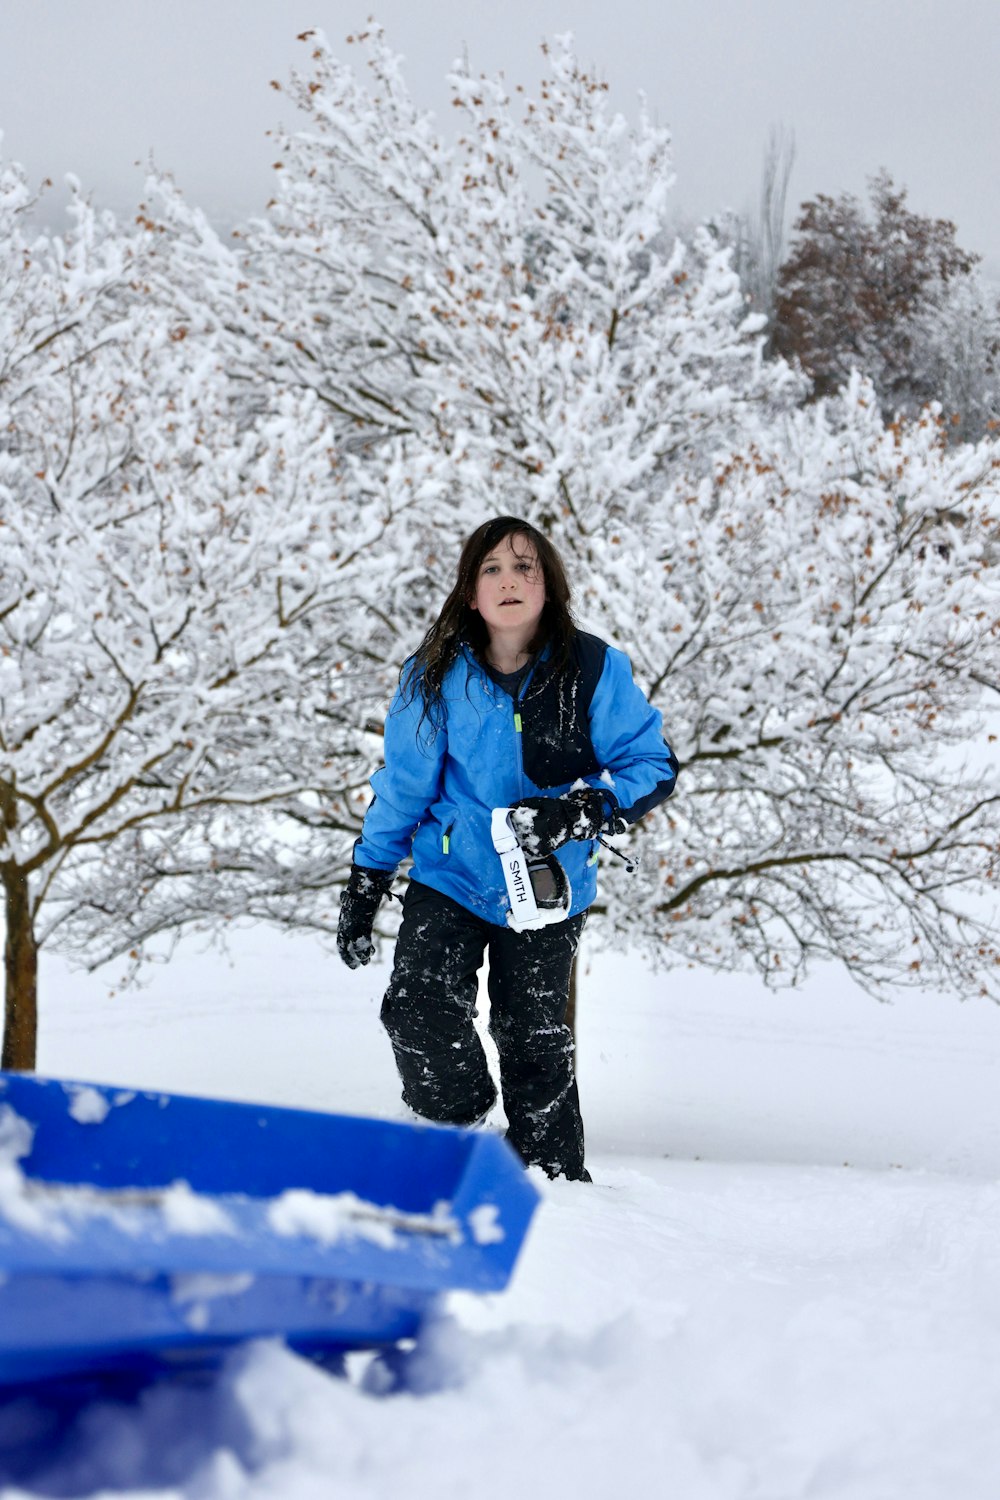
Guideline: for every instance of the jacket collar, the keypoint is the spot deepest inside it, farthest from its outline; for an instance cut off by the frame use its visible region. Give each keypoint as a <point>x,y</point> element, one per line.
<point>536,674</point>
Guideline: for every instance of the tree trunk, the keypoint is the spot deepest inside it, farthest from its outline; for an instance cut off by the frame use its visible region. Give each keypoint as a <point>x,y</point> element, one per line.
<point>20,1028</point>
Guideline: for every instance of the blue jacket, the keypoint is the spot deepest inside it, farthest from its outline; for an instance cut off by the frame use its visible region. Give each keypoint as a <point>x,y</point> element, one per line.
<point>444,774</point>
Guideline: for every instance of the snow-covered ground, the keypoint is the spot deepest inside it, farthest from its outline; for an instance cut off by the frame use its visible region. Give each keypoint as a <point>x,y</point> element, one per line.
<point>784,1282</point>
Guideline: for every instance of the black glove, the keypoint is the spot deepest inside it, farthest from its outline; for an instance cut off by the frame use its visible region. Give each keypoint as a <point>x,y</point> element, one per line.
<point>544,824</point>
<point>358,905</point>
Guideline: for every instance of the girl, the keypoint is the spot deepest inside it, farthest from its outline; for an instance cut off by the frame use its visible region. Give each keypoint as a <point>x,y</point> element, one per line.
<point>504,705</point>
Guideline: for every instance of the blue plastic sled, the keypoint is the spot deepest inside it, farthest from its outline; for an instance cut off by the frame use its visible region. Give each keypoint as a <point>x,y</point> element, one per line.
<point>143,1229</point>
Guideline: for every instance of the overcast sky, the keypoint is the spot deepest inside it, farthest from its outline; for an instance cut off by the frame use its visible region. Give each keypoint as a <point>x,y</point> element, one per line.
<point>93,86</point>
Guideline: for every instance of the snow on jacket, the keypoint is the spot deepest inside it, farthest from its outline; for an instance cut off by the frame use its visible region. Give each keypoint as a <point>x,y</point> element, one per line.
<point>444,773</point>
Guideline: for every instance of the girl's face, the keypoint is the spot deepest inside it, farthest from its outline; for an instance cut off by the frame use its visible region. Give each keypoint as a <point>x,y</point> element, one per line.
<point>510,591</point>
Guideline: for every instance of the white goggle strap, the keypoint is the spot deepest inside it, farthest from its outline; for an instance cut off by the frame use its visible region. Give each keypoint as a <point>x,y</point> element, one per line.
<point>523,907</point>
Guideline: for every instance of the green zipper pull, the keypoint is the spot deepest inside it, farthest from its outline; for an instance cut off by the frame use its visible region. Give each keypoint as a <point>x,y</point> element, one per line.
<point>517,723</point>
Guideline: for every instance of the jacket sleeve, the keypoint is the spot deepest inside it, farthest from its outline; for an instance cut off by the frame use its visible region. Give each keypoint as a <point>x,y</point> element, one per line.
<point>405,786</point>
<point>638,766</point>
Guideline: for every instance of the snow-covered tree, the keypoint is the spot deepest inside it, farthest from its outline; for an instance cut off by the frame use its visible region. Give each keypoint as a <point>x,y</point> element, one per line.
<point>234,480</point>
<point>827,648</point>
<point>505,307</point>
<point>958,332</point>
<point>170,616</point>
<point>508,315</point>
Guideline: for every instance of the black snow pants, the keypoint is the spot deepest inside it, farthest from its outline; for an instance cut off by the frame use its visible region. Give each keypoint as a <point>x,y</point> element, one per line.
<point>429,1009</point>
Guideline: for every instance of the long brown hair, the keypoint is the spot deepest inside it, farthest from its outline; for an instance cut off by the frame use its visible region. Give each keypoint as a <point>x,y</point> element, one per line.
<point>459,624</point>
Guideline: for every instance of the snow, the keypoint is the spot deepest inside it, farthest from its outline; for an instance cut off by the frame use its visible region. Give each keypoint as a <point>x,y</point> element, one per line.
<point>484,1222</point>
<point>329,1217</point>
<point>784,1281</point>
<point>87,1106</point>
<point>57,1211</point>
<point>16,1207</point>
<point>194,1293</point>
<point>185,1212</point>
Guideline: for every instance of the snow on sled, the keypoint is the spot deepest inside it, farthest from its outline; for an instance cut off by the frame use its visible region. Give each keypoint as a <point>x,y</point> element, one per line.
<point>138,1229</point>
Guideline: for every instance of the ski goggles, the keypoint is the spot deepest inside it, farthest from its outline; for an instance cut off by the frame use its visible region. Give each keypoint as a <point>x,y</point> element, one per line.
<point>538,889</point>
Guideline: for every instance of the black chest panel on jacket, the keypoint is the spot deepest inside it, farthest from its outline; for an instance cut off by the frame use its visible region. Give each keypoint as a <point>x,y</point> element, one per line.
<point>555,717</point>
